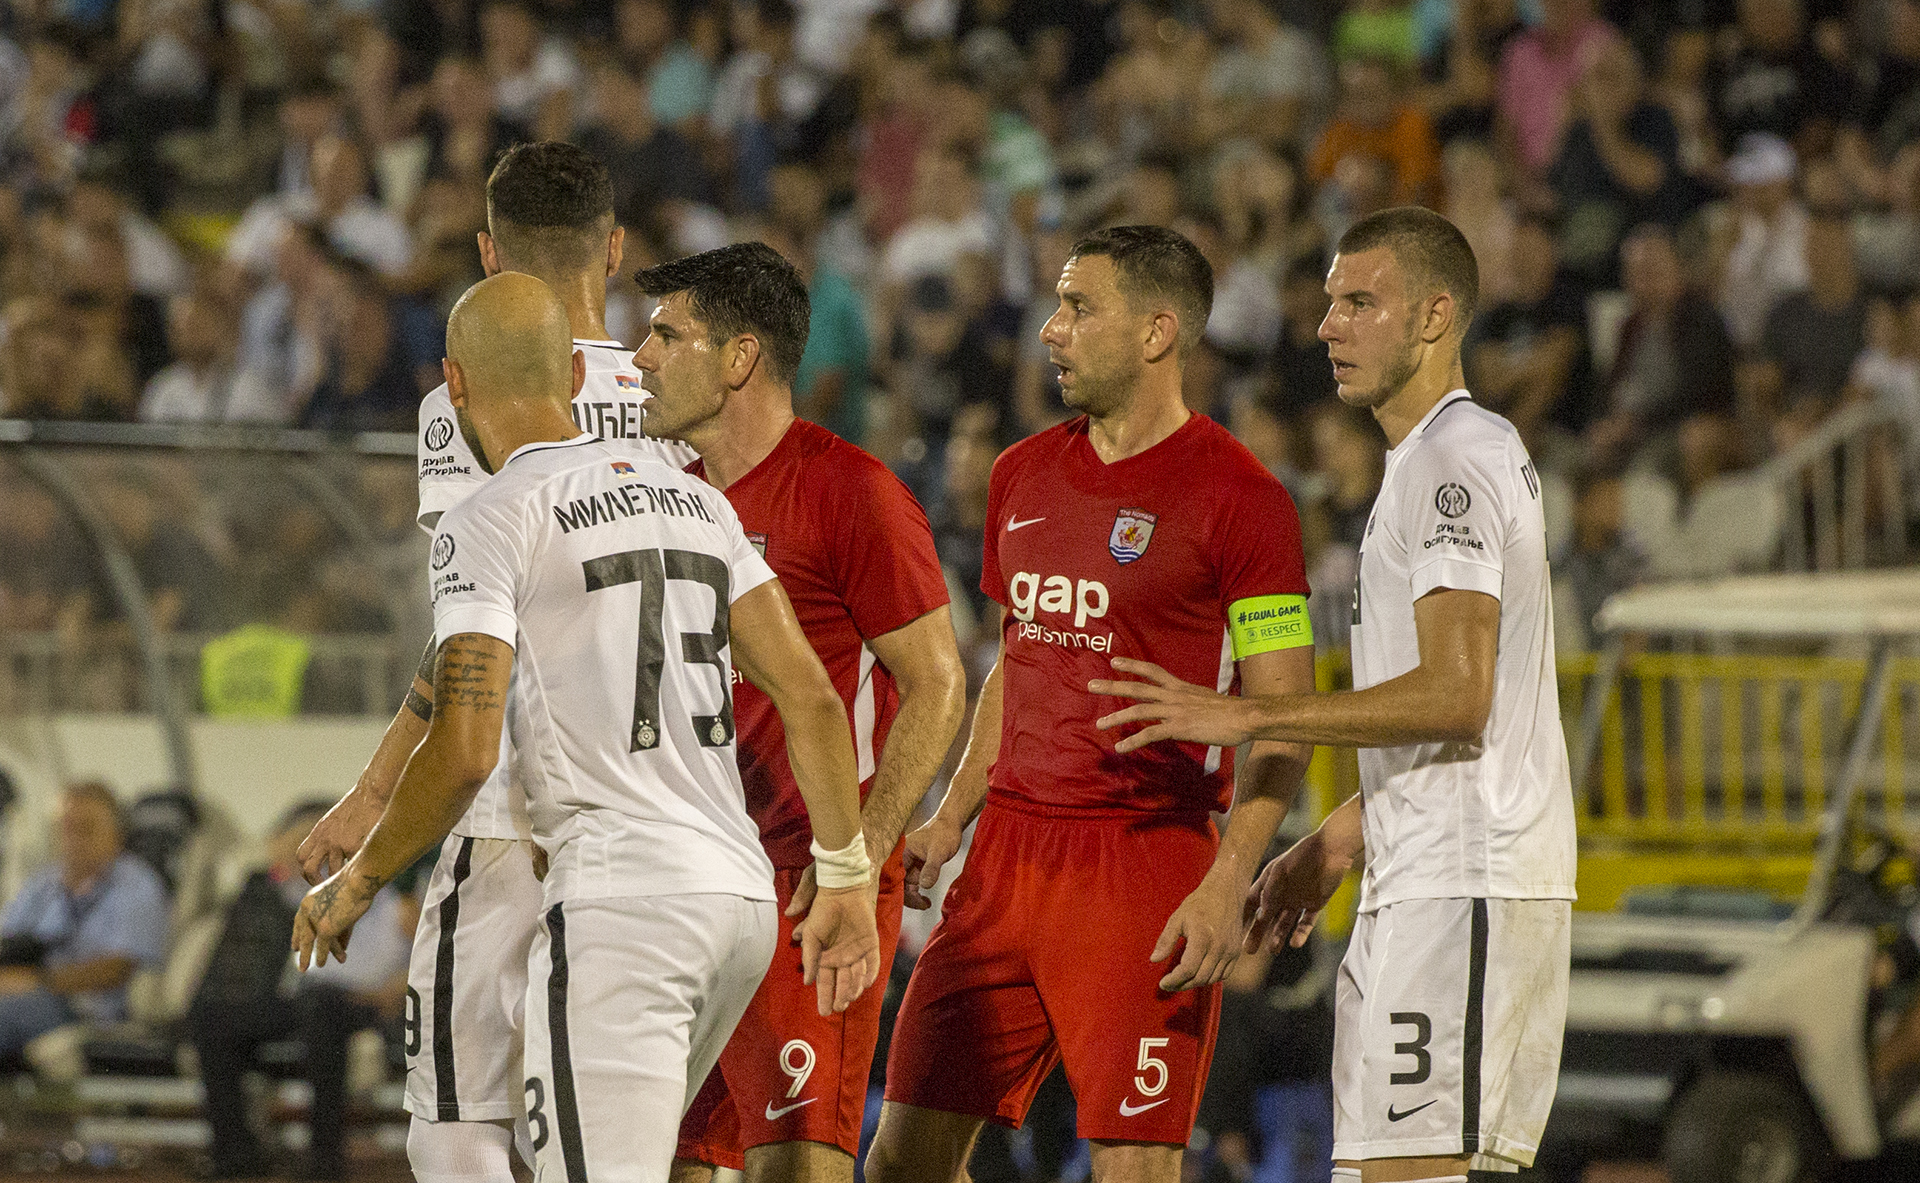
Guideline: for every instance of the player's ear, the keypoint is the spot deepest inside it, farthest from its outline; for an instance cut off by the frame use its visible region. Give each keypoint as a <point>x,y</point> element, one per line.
<point>579,371</point>
<point>457,381</point>
<point>1163,333</point>
<point>616,250</point>
<point>742,359</point>
<point>489,257</point>
<point>1439,318</point>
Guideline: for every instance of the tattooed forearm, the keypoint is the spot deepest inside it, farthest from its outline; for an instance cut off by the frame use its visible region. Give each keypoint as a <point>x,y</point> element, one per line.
<point>425,672</point>
<point>468,676</point>
<point>420,704</point>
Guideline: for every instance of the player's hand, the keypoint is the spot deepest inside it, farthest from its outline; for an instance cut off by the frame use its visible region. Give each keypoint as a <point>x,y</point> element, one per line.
<point>839,946</point>
<point>1287,897</point>
<point>1209,921</point>
<point>1176,709</point>
<point>327,915</point>
<point>805,889</point>
<point>336,836</point>
<point>929,848</point>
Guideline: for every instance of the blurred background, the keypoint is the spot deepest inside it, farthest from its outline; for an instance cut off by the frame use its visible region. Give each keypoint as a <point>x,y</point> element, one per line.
<point>230,232</point>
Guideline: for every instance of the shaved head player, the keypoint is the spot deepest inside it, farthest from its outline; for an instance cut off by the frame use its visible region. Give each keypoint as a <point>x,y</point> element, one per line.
<point>1099,909</point>
<point>1452,998</point>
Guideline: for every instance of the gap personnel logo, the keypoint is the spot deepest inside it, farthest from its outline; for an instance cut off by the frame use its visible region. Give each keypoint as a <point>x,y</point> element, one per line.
<point>442,551</point>
<point>1132,530</point>
<point>439,433</point>
<point>626,382</point>
<point>1451,500</point>
<point>759,543</point>
<point>622,468</point>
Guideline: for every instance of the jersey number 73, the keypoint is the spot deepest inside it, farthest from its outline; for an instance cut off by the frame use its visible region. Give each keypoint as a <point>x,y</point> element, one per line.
<point>651,569</point>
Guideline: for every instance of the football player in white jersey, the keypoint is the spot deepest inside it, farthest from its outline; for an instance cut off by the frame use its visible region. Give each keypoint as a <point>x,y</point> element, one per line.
<point>593,599</point>
<point>550,215</point>
<point>1451,1002</point>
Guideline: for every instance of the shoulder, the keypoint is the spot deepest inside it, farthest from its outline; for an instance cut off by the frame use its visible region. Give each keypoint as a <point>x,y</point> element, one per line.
<point>1468,439</point>
<point>436,405</point>
<point>1041,447</point>
<point>133,879</point>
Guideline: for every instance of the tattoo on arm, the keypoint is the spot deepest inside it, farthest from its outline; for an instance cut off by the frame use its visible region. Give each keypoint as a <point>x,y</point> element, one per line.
<point>420,704</point>
<point>425,672</point>
<point>464,676</point>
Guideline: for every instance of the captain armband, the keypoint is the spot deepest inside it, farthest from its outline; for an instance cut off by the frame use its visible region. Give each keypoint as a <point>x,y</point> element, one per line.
<point>1263,624</point>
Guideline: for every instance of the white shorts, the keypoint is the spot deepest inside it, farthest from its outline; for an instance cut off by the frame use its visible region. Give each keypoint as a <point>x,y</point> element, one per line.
<point>467,981</point>
<point>628,1006</point>
<point>1448,1017</point>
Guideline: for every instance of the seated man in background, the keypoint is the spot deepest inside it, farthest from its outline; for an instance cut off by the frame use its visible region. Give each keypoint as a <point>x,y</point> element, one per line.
<point>73,937</point>
<point>246,999</point>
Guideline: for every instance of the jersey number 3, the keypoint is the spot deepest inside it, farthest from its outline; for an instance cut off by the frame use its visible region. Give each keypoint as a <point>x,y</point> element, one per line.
<point>651,569</point>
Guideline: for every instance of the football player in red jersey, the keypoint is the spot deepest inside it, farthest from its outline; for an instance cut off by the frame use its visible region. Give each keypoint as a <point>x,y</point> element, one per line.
<point>854,552</point>
<point>1100,909</point>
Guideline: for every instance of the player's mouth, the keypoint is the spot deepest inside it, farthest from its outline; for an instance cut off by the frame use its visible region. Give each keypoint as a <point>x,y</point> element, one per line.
<point>1065,369</point>
<point>1341,368</point>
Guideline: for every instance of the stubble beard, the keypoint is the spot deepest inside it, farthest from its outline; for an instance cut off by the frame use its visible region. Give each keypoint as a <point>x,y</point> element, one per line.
<point>472,435</point>
<point>1399,372</point>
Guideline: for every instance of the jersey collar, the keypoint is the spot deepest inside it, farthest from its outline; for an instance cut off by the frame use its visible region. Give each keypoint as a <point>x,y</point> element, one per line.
<point>1453,396</point>
<point>585,437</point>
<point>601,344</point>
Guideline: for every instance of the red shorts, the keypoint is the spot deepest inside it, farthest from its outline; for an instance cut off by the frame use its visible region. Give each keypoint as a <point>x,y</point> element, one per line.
<point>788,1075</point>
<point>1041,956</point>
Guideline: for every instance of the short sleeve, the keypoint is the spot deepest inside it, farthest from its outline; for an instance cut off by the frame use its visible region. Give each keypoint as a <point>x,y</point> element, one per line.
<point>1257,540</point>
<point>1454,508</point>
<point>746,567</point>
<point>992,584</point>
<point>888,567</point>
<point>473,571</point>
<point>448,471</point>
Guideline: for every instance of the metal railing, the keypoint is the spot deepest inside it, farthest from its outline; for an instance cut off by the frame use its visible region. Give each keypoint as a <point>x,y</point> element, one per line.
<point>1843,491</point>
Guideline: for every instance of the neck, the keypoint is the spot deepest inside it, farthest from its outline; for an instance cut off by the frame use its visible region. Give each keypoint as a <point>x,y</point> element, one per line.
<point>77,878</point>
<point>1432,382</point>
<point>522,422</point>
<point>745,432</point>
<point>1154,413</point>
<point>585,298</point>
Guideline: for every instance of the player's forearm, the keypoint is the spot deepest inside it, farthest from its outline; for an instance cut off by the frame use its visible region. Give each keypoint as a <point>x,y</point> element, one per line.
<point>1263,795</point>
<point>403,735</point>
<point>1419,706</point>
<point>1342,833</point>
<point>967,791</point>
<point>821,754</point>
<point>439,784</point>
<point>923,730</point>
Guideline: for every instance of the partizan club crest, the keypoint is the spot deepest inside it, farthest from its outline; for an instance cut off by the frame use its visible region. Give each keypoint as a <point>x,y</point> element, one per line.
<point>1132,530</point>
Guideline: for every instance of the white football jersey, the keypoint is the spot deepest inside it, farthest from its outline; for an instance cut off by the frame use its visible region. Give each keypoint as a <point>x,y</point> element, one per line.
<point>610,572</point>
<point>1459,508</point>
<point>608,405</point>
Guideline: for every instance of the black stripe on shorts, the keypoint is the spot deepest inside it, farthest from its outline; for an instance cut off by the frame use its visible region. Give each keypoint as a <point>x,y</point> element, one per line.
<point>565,1109</point>
<point>446,1089</point>
<point>1471,1040</point>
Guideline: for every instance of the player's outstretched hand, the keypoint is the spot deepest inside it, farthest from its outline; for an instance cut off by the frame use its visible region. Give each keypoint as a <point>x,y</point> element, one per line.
<point>327,915</point>
<point>336,836</point>
<point>929,848</point>
<point>1176,709</point>
<point>839,946</point>
<point>1287,897</point>
<point>1209,921</point>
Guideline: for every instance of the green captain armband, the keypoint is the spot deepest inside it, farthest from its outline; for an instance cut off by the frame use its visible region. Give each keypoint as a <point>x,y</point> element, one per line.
<point>1262,624</point>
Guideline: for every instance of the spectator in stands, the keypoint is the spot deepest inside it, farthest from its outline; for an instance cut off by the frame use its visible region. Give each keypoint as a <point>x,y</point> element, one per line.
<point>1701,515</point>
<point>1886,241</point>
<point>367,380</point>
<point>1674,360</point>
<point>830,387</point>
<point>1539,72</point>
<point>1302,376</point>
<point>764,94</point>
<point>311,109</point>
<point>1811,337</point>
<point>1527,355</point>
<point>240,1005</point>
<point>1268,81</point>
<point>79,929</point>
<point>354,223</point>
<point>534,77</point>
<point>1618,165</point>
<point>203,384</point>
<point>1776,81</point>
<point>1769,255</point>
<point>1596,561</point>
<point>677,78</point>
<point>650,162</point>
<point>36,364</point>
<point>1375,120</point>
<point>155,265</point>
<point>1463,99</point>
<point>465,130</point>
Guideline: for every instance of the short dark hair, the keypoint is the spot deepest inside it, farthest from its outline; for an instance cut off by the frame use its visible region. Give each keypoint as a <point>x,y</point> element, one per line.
<point>550,207</point>
<point>745,288</point>
<point>1430,249</point>
<point>1156,263</point>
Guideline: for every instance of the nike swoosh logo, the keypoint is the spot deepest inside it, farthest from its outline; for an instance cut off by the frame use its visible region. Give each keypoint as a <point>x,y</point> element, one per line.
<point>1127,1110</point>
<point>775,1114</point>
<point>1015,523</point>
<point>1392,1115</point>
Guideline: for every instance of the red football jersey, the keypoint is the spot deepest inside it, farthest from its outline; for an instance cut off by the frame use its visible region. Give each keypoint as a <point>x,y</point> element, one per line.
<point>854,552</point>
<point>1139,558</point>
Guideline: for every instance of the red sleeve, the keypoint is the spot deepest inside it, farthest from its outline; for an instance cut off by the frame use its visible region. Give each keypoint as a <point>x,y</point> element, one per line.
<point>992,584</point>
<point>1257,540</point>
<point>889,569</point>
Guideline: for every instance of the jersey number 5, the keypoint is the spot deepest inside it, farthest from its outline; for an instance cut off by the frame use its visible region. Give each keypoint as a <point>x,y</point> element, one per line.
<point>651,569</point>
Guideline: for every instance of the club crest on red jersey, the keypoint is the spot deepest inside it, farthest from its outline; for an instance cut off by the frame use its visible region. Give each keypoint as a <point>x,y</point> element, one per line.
<point>759,542</point>
<point>1132,530</point>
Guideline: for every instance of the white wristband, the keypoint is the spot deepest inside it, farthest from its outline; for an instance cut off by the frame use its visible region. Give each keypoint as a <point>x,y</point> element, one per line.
<point>847,867</point>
